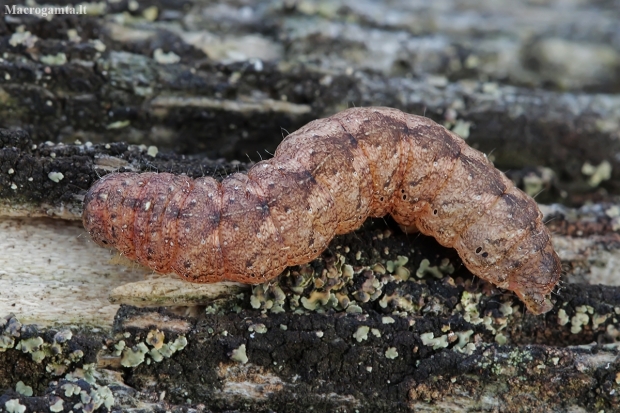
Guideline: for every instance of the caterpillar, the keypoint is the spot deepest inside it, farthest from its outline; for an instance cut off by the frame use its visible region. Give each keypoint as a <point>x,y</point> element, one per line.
<point>326,179</point>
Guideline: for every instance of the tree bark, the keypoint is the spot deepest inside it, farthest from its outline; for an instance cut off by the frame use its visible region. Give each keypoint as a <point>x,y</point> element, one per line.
<point>382,321</point>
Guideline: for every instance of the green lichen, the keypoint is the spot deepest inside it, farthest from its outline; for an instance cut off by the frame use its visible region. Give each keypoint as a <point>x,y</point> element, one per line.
<point>58,59</point>
<point>156,355</point>
<point>178,344</point>
<point>518,357</point>
<point>6,342</point>
<point>316,299</point>
<point>469,305</point>
<point>397,300</point>
<point>461,128</point>
<point>429,339</point>
<point>30,345</point>
<point>38,356</point>
<point>446,267</point>
<point>463,345</point>
<point>563,318</point>
<point>71,389</point>
<point>13,406</point>
<point>599,319</point>
<point>392,266</point>
<point>166,350</point>
<point>425,268</point>
<point>119,347</point>
<point>258,328</point>
<point>56,404</point>
<point>134,356</point>
<point>23,389</point>
<point>33,347</point>
<point>391,353</point>
<point>361,333</point>
<point>239,354</point>
<point>597,174</point>
<point>354,309</point>
<point>101,396</point>
<point>506,309</point>
<point>581,318</point>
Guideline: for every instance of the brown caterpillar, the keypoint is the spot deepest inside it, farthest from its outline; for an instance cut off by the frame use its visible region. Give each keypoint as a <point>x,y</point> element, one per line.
<point>326,179</point>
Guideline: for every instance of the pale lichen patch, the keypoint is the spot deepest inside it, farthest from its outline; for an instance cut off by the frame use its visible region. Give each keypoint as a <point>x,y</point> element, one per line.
<point>134,356</point>
<point>23,389</point>
<point>259,328</point>
<point>14,406</point>
<point>598,173</point>
<point>429,339</point>
<point>425,268</point>
<point>391,353</point>
<point>56,404</point>
<point>361,333</point>
<point>152,151</point>
<point>239,354</point>
<point>55,176</point>
<point>563,318</point>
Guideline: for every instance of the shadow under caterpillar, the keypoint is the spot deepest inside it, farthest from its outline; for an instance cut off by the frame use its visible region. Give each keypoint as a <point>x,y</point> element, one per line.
<point>326,179</point>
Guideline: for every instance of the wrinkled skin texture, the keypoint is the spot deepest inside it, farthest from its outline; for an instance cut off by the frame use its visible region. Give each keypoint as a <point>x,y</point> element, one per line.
<point>326,179</point>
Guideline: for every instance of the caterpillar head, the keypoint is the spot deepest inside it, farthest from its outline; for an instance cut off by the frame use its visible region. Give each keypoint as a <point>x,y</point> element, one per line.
<point>534,281</point>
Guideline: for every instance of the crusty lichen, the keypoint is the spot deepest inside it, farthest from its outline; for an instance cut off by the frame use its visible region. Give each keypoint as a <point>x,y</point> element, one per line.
<point>159,349</point>
<point>14,406</point>
<point>239,354</point>
<point>58,353</point>
<point>23,389</point>
<point>335,284</point>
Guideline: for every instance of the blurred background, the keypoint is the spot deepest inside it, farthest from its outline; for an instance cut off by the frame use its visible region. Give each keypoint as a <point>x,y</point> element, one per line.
<point>534,84</point>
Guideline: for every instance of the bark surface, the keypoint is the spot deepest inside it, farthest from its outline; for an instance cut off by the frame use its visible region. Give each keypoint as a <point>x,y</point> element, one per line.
<point>381,321</point>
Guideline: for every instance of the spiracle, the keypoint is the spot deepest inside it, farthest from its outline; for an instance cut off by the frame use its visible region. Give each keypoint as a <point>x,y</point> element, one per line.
<point>326,179</point>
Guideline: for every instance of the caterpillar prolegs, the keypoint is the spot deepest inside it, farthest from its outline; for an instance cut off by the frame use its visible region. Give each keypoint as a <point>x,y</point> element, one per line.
<point>326,179</point>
